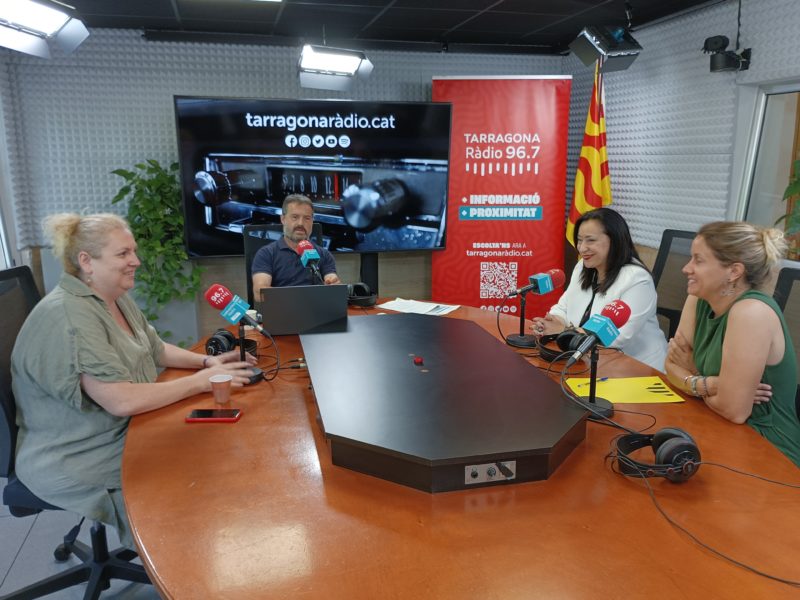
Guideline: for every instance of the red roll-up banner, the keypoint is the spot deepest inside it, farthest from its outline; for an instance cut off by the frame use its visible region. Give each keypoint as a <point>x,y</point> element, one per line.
<point>507,188</point>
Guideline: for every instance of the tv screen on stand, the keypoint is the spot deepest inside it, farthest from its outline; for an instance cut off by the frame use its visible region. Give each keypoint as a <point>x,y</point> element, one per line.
<point>376,172</point>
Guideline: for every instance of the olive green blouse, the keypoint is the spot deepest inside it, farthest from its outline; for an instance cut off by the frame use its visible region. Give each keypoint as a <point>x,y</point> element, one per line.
<point>69,449</point>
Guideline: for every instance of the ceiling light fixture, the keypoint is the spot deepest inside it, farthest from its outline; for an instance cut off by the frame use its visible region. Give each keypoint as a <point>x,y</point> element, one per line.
<point>615,45</point>
<point>32,27</point>
<point>326,68</point>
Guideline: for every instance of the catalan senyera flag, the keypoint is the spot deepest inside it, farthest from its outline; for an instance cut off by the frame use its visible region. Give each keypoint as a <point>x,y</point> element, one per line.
<point>592,181</point>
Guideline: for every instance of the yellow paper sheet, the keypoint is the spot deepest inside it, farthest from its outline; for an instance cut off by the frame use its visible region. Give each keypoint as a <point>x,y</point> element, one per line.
<point>627,390</point>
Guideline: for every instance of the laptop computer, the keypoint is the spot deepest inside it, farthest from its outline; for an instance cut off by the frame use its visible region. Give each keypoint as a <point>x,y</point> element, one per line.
<point>303,309</point>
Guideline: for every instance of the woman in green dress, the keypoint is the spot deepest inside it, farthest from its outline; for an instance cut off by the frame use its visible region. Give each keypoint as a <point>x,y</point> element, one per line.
<point>732,348</point>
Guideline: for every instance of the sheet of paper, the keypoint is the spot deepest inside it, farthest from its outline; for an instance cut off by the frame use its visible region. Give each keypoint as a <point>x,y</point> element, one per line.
<point>627,390</point>
<point>417,307</point>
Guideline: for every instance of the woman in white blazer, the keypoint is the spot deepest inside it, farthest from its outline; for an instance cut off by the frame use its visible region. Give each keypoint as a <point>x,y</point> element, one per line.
<point>609,269</point>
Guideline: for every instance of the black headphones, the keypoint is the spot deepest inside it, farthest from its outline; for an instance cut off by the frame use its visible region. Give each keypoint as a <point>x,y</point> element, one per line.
<point>567,341</point>
<point>359,294</point>
<point>677,455</point>
<point>224,341</point>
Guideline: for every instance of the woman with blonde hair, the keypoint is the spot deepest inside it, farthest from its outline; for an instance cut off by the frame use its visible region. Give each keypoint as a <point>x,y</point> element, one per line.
<point>85,360</point>
<point>732,348</point>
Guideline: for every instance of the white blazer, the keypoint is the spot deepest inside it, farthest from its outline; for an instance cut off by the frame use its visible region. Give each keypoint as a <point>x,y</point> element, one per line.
<point>640,337</point>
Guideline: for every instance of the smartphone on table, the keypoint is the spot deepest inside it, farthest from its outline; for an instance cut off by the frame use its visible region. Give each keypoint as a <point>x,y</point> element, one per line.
<point>214,415</point>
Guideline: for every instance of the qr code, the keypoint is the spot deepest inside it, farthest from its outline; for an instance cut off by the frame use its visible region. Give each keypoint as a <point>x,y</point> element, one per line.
<point>498,279</point>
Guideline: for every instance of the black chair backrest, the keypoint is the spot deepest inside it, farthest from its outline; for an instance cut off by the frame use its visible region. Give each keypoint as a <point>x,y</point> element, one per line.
<point>256,236</point>
<point>787,296</point>
<point>784,287</point>
<point>673,253</point>
<point>18,296</point>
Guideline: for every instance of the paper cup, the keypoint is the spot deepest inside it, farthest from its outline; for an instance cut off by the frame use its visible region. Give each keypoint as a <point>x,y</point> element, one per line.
<point>221,386</point>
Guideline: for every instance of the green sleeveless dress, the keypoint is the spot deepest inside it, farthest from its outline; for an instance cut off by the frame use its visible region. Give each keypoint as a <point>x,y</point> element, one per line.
<point>777,419</point>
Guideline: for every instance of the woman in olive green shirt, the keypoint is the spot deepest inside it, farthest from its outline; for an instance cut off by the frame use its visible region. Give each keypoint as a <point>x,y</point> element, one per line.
<point>732,347</point>
<point>85,360</point>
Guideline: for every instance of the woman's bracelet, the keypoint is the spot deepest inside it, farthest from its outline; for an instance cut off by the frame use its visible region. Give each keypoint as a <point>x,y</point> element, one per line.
<point>205,361</point>
<point>693,379</point>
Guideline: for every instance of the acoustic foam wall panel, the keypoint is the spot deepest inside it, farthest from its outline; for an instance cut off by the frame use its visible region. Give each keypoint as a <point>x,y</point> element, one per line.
<point>670,126</point>
<point>109,105</point>
<point>769,27</point>
<point>71,120</point>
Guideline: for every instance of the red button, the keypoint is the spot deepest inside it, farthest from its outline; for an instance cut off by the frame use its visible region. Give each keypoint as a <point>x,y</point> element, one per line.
<point>417,360</point>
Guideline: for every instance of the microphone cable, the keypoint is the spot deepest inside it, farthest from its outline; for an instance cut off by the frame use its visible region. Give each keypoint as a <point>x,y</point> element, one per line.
<point>498,311</point>
<point>689,534</point>
<point>565,389</point>
<point>277,357</point>
<point>293,363</point>
<point>604,420</point>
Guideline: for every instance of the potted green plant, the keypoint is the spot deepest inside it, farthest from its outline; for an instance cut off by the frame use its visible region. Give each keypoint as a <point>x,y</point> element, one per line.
<point>156,219</point>
<point>792,217</point>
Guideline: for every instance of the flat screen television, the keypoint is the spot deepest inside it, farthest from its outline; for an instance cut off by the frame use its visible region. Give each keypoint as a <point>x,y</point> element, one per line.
<point>376,172</point>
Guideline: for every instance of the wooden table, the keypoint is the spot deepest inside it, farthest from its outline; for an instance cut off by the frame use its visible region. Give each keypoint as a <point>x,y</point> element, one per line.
<point>257,510</point>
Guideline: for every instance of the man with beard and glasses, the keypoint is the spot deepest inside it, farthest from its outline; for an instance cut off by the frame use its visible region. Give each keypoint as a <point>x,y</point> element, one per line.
<point>278,264</point>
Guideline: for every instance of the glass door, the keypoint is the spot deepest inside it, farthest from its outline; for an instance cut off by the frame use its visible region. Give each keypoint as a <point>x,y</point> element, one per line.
<point>778,148</point>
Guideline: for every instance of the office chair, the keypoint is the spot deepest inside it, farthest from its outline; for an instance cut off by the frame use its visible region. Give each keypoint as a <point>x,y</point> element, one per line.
<point>18,296</point>
<point>787,296</point>
<point>673,253</point>
<point>262,234</point>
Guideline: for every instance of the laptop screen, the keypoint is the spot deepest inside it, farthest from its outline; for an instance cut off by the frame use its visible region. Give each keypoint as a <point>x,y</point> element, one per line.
<point>303,309</point>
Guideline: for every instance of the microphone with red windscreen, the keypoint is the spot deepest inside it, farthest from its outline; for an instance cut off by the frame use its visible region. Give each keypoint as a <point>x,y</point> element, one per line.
<point>232,308</point>
<point>542,283</point>
<point>309,257</point>
<point>603,328</point>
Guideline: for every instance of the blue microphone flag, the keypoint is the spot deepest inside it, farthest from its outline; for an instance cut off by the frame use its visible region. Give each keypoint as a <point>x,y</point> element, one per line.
<point>235,310</point>
<point>603,328</point>
<point>309,255</point>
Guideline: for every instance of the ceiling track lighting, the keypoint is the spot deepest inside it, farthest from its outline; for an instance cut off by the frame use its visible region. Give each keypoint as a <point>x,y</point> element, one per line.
<point>34,26</point>
<point>614,45</point>
<point>326,68</point>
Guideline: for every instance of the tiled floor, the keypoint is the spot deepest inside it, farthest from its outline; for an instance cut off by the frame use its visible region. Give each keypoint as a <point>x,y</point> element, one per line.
<point>26,554</point>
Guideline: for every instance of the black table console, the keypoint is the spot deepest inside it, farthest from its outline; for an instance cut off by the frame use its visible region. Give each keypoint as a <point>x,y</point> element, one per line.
<point>437,404</point>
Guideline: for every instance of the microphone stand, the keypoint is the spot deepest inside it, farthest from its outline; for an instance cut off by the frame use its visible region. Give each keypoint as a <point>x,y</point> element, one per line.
<point>316,275</point>
<point>601,406</point>
<point>258,374</point>
<point>521,340</point>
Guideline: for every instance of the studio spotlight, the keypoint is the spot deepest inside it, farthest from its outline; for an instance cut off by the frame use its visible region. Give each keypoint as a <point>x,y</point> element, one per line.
<point>33,27</point>
<point>615,45</point>
<point>725,60</point>
<point>326,68</point>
